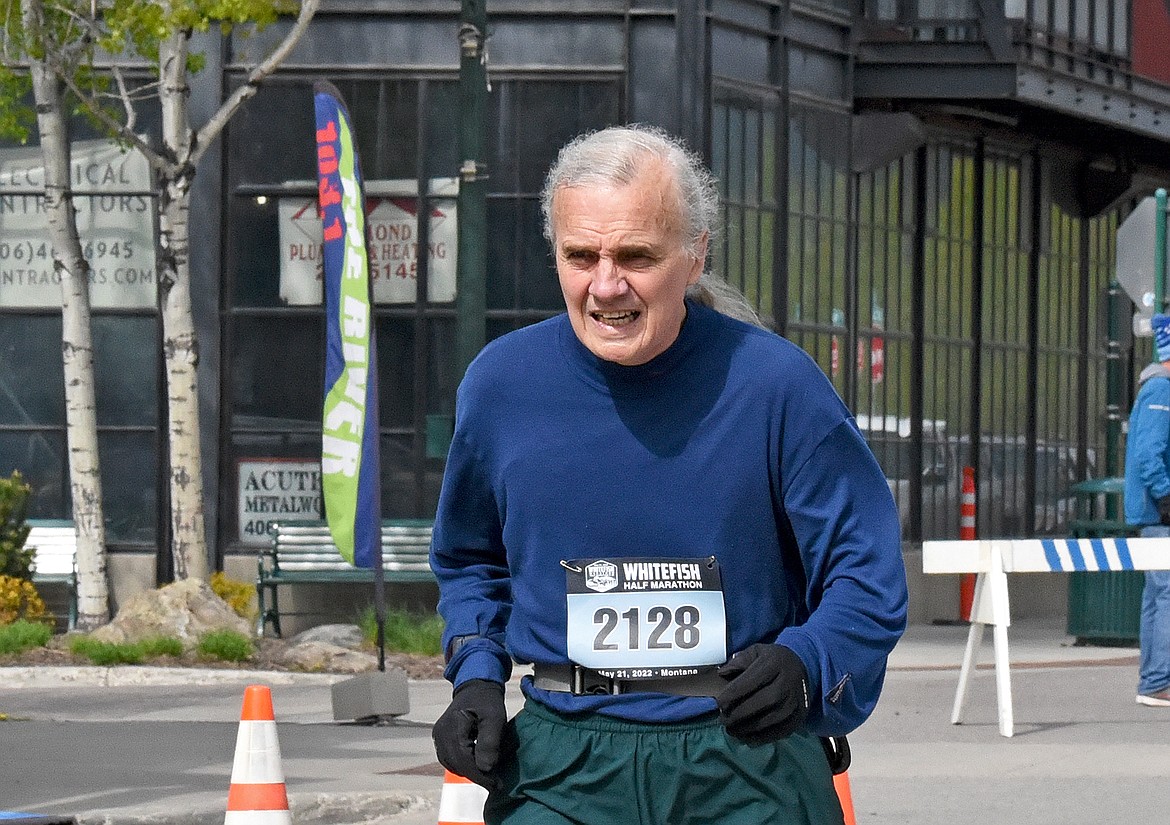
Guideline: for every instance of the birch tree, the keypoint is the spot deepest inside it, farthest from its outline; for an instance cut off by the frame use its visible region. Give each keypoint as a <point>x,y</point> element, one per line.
<point>160,33</point>
<point>27,40</point>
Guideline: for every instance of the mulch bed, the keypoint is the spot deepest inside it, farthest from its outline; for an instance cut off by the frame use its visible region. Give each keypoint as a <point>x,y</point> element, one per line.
<point>267,657</point>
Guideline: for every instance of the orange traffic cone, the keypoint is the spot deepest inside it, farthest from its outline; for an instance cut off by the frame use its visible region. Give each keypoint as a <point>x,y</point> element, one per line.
<point>841,783</point>
<point>257,794</point>
<point>461,802</point>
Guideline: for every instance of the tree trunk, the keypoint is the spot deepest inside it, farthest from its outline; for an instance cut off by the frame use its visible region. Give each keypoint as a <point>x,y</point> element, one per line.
<point>180,347</point>
<point>76,339</point>
<point>175,163</point>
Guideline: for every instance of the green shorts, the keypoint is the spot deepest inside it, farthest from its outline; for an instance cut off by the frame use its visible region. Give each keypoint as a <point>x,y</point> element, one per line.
<point>595,770</point>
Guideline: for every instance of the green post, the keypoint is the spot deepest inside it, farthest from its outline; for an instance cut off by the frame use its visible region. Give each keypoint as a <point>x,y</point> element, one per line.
<point>471,273</point>
<point>1113,405</point>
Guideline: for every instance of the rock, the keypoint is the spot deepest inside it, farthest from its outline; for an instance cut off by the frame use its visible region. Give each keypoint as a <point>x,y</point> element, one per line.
<point>185,610</point>
<point>316,657</point>
<point>342,635</point>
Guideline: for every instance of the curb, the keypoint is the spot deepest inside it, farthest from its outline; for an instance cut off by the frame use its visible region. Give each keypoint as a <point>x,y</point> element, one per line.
<point>306,809</point>
<point>146,675</point>
<point>1116,661</point>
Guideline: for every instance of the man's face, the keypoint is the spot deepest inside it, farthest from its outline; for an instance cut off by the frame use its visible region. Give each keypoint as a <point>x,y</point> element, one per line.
<point>624,265</point>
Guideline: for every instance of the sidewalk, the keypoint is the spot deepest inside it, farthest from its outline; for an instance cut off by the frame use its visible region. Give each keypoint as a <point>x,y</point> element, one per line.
<point>1031,643</point>
<point>1083,750</point>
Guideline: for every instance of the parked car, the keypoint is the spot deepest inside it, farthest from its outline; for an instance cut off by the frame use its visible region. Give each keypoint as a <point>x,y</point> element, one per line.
<point>1000,479</point>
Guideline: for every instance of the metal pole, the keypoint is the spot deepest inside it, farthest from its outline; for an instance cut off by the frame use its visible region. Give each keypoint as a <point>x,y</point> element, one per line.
<point>1112,391</point>
<point>1159,250</point>
<point>471,273</point>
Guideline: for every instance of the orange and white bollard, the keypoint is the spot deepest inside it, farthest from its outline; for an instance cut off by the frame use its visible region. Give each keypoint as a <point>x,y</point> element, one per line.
<point>967,533</point>
<point>461,802</point>
<point>257,795</point>
<point>841,785</point>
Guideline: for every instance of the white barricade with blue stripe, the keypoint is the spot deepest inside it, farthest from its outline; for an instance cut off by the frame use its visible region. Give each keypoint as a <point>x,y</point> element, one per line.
<point>993,559</point>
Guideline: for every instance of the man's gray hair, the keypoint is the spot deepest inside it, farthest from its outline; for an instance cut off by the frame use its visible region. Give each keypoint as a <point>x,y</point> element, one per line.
<point>714,292</point>
<point>615,155</point>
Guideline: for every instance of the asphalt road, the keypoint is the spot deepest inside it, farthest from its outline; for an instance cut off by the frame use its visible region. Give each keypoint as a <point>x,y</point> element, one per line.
<point>1083,751</point>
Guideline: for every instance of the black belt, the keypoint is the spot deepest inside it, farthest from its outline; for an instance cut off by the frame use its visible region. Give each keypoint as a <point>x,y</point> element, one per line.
<point>582,681</point>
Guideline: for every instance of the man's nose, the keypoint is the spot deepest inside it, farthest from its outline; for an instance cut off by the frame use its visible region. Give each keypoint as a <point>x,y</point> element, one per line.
<point>608,281</point>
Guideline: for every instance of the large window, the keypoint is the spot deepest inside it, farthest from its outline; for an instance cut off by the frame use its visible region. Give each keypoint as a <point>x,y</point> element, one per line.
<point>745,155</point>
<point>116,209</point>
<point>32,417</point>
<point>818,239</point>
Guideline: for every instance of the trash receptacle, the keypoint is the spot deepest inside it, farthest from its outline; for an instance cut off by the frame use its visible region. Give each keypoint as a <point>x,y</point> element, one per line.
<point>1103,608</point>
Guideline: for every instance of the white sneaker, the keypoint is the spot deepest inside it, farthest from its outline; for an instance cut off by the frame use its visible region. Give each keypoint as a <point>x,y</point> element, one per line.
<point>1161,699</point>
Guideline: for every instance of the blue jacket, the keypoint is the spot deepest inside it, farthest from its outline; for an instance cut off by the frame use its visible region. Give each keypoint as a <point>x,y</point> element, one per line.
<point>1147,448</point>
<point>731,443</point>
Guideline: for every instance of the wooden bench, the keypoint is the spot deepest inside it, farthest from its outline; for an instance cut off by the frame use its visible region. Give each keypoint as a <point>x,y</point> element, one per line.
<point>55,560</point>
<point>303,552</point>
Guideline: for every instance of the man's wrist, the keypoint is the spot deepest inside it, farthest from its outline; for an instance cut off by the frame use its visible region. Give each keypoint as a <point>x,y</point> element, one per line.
<point>477,686</point>
<point>478,664</point>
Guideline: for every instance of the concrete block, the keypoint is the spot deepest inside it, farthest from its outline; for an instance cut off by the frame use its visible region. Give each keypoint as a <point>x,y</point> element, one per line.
<point>372,695</point>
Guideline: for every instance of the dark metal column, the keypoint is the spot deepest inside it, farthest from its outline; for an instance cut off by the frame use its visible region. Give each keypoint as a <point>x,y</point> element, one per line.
<point>471,273</point>
<point>975,402</point>
<point>917,345</point>
<point>693,77</point>
<point>1032,394</point>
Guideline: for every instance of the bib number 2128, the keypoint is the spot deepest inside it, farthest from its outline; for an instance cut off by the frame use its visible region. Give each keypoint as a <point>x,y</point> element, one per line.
<point>664,629</point>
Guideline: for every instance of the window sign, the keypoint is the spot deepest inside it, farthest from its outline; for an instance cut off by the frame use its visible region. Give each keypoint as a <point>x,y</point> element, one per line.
<point>276,489</point>
<point>392,225</point>
<point>115,218</point>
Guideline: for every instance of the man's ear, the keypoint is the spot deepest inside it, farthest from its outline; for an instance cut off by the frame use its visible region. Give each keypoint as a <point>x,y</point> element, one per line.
<point>700,261</point>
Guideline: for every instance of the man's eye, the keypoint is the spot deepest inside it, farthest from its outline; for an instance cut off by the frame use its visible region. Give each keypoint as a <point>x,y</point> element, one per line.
<point>580,257</point>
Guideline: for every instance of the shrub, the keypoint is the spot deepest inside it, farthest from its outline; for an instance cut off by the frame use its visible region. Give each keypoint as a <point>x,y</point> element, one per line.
<point>19,600</point>
<point>161,646</point>
<point>23,635</point>
<point>15,558</point>
<point>225,645</point>
<point>406,631</point>
<point>125,653</point>
<point>107,653</point>
<point>239,595</point>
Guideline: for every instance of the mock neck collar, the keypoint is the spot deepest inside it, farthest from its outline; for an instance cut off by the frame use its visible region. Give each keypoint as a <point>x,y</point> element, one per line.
<point>695,326</point>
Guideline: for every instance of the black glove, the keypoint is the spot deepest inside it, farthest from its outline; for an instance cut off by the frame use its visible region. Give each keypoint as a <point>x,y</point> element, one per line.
<point>767,697</point>
<point>1164,510</point>
<point>467,735</point>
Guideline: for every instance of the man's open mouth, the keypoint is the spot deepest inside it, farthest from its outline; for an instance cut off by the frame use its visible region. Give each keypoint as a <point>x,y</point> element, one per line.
<point>615,319</point>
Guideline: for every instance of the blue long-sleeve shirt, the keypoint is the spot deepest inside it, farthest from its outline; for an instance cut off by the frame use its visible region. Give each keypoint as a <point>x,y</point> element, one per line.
<point>1147,448</point>
<point>731,443</point>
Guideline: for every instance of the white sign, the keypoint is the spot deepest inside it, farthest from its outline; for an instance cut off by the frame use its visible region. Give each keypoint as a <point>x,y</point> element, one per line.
<point>115,217</point>
<point>1134,261</point>
<point>392,228</point>
<point>275,489</point>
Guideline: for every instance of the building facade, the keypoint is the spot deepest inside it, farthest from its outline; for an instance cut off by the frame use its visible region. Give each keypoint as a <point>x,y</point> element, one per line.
<point>923,194</point>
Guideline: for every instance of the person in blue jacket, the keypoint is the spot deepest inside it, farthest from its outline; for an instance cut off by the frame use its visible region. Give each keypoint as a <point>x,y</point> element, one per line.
<point>671,515</point>
<point>1147,505</point>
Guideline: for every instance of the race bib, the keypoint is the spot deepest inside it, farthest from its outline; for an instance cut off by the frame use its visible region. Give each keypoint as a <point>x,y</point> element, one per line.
<point>645,618</point>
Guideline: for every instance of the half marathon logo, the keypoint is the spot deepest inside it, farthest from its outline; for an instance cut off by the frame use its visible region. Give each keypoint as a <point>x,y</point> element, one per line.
<point>638,574</point>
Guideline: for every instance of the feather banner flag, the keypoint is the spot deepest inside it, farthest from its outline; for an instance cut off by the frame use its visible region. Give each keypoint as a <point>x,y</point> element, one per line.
<point>350,477</point>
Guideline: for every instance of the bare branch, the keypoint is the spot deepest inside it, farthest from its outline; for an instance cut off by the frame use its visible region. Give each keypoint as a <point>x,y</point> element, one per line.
<point>127,100</point>
<point>123,131</point>
<point>74,41</point>
<point>216,123</point>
